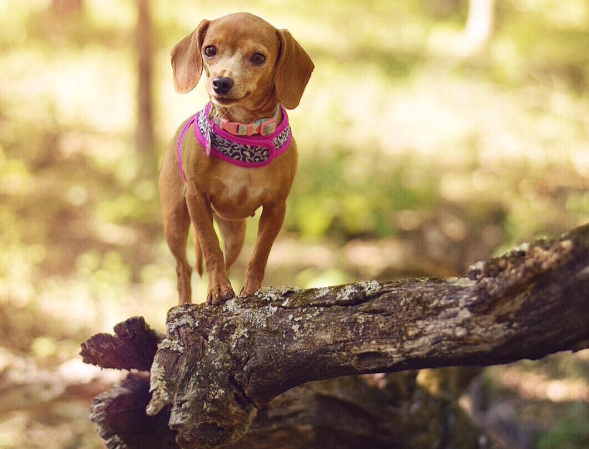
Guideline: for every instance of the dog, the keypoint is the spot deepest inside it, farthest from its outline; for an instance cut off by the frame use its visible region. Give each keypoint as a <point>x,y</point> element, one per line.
<point>237,154</point>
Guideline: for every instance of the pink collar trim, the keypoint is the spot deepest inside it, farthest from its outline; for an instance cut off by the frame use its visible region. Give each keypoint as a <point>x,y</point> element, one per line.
<point>250,152</point>
<point>262,126</point>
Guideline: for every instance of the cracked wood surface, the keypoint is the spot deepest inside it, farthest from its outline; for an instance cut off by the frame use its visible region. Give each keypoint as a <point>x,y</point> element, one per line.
<point>381,411</point>
<point>132,346</point>
<point>218,365</point>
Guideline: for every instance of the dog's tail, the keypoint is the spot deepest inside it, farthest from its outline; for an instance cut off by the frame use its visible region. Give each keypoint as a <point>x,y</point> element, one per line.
<point>199,257</point>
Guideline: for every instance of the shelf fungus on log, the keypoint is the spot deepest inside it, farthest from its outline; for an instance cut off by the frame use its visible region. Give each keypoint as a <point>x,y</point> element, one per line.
<point>218,365</point>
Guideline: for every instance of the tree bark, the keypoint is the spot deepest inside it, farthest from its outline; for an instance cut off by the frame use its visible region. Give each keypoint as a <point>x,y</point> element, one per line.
<point>133,346</point>
<point>218,365</point>
<point>389,411</point>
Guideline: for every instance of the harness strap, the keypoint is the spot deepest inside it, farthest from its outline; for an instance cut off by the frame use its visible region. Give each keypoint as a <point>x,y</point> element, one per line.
<point>180,139</point>
<point>250,151</point>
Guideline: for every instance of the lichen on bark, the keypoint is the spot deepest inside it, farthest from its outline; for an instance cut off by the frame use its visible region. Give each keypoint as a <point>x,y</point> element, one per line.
<point>218,365</point>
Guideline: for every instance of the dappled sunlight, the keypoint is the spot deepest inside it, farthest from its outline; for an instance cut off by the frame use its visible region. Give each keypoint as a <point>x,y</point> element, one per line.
<point>381,97</point>
<point>531,385</point>
<point>419,154</point>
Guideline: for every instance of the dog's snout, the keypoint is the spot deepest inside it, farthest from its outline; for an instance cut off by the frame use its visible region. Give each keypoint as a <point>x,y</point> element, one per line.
<point>222,85</point>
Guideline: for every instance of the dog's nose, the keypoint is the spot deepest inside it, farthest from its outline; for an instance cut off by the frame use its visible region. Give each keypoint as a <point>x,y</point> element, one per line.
<point>222,85</point>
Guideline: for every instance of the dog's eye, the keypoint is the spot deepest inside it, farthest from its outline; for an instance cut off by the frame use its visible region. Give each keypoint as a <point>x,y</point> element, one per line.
<point>258,59</point>
<point>210,51</point>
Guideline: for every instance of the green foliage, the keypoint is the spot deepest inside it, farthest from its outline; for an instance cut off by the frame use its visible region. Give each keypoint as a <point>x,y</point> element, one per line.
<point>348,195</point>
<point>570,432</point>
<point>391,123</point>
<point>401,140</point>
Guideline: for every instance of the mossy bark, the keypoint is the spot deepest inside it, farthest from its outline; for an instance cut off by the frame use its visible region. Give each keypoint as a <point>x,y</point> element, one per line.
<point>218,365</point>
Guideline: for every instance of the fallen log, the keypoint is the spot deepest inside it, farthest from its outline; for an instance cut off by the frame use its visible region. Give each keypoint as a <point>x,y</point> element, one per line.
<point>219,365</point>
<point>389,411</point>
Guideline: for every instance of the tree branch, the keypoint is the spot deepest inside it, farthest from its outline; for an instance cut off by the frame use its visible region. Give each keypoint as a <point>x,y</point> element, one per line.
<point>133,346</point>
<point>219,364</point>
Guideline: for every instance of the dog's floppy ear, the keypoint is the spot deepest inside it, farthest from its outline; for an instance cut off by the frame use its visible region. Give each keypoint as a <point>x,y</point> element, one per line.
<point>293,70</point>
<point>187,60</point>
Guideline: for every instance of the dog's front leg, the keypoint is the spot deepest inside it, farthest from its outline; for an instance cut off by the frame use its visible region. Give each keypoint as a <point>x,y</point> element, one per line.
<point>201,214</point>
<point>270,224</point>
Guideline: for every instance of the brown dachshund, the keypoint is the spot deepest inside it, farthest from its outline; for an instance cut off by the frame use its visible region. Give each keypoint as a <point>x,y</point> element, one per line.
<point>251,69</point>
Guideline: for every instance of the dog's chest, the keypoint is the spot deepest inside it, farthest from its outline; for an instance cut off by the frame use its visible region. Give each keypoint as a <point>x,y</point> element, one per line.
<point>239,193</point>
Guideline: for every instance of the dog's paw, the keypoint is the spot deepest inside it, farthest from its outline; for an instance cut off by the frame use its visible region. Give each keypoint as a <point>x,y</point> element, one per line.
<point>250,286</point>
<point>220,292</point>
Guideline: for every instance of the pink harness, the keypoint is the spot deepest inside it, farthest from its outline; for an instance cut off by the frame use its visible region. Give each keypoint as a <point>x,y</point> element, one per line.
<point>250,151</point>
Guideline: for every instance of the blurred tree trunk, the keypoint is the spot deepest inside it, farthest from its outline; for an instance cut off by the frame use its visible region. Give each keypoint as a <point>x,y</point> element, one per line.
<point>144,135</point>
<point>443,7</point>
<point>66,7</point>
<point>480,25</point>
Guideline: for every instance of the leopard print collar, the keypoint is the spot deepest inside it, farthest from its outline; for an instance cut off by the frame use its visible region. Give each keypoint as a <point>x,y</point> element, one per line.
<point>251,152</point>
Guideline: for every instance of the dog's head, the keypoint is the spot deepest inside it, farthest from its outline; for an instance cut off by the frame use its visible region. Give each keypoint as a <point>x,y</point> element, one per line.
<point>246,61</point>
